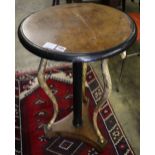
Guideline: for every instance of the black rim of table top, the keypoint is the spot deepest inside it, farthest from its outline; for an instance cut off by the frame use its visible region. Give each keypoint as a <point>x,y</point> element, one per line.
<point>76,57</point>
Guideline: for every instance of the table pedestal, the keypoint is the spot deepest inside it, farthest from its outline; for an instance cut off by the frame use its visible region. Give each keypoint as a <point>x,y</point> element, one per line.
<point>85,133</point>
<point>77,123</point>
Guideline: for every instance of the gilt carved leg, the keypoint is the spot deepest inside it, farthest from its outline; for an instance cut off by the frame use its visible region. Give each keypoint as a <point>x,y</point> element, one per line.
<point>106,93</point>
<point>84,98</point>
<point>81,127</point>
<point>44,86</point>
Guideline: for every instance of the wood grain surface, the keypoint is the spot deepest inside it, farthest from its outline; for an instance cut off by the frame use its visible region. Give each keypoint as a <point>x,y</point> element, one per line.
<point>81,28</point>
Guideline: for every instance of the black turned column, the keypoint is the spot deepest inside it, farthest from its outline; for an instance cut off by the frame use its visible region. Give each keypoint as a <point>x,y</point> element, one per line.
<point>77,93</point>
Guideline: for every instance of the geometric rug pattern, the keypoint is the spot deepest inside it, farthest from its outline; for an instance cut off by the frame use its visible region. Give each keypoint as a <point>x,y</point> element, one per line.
<point>34,110</point>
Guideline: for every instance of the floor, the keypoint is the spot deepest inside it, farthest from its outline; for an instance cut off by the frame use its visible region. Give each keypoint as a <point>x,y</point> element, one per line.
<point>126,102</point>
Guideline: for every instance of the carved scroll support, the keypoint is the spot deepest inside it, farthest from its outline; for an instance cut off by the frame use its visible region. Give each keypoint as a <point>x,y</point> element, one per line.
<point>84,98</point>
<point>106,94</point>
<point>44,86</point>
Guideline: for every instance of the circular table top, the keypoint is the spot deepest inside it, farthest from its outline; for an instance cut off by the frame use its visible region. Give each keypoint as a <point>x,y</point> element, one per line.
<point>87,31</point>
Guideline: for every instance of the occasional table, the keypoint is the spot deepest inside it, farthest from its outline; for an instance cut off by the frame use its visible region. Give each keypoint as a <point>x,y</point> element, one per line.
<point>78,33</point>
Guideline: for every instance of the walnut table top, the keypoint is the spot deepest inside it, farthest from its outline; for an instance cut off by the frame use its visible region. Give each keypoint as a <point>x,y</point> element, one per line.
<point>88,32</point>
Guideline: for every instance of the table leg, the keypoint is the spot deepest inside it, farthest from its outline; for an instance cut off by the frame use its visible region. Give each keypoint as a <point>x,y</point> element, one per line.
<point>44,86</point>
<point>84,98</point>
<point>77,94</point>
<point>79,76</point>
<point>76,129</point>
<point>107,90</point>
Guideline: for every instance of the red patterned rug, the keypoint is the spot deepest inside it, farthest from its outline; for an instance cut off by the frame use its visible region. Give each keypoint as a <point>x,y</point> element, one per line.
<point>34,109</point>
